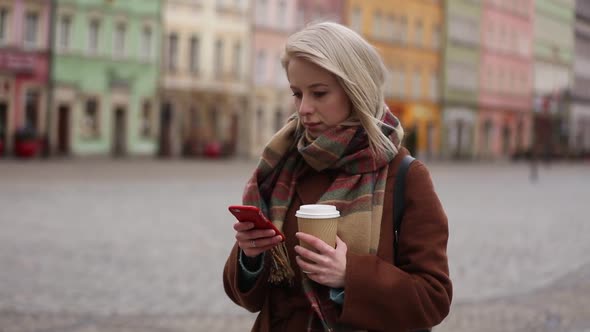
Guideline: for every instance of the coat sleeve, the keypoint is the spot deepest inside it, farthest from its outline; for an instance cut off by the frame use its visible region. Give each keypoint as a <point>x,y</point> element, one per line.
<point>251,299</point>
<point>417,292</point>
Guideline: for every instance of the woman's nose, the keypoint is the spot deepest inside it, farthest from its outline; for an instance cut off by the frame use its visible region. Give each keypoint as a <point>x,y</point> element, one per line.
<point>305,107</point>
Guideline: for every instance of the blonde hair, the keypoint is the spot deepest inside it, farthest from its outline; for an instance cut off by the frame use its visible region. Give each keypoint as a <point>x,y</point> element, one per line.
<point>358,68</point>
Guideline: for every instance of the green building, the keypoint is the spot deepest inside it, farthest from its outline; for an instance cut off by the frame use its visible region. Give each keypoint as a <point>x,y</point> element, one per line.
<point>460,84</point>
<point>104,77</point>
<point>553,51</point>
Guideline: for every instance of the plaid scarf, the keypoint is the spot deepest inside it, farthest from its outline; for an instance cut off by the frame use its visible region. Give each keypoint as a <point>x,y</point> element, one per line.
<point>357,192</point>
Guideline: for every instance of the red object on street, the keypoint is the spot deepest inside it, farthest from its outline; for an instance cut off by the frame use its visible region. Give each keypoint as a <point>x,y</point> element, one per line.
<point>213,150</point>
<point>1,148</point>
<point>26,149</point>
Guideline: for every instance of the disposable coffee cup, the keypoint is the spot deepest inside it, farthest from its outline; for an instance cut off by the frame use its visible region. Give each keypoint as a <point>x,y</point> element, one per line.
<point>319,220</point>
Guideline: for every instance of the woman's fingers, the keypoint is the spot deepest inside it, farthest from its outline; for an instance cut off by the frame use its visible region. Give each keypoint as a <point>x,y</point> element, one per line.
<point>245,233</point>
<point>260,242</point>
<point>328,266</point>
<point>254,247</point>
<point>311,256</point>
<point>317,244</point>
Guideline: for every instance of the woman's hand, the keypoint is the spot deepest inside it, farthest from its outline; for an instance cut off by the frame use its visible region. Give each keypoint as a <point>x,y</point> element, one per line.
<point>254,242</point>
<point>329,264</point>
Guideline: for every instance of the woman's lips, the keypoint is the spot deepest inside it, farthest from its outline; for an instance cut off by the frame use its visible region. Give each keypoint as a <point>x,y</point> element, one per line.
<point>311,125</point>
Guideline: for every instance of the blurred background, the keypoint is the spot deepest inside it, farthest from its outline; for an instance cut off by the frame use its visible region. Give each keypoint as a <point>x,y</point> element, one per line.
<point>128,126</point>
<point>470,79</point>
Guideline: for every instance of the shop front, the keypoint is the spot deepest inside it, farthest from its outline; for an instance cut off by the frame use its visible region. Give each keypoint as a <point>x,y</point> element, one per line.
<point>422,126</point>
<point>458,132</point>
<point>23,101</point>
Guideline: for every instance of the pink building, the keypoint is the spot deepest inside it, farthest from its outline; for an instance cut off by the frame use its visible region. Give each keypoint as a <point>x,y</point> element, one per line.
<point>506,82</point>
<point>274,21</point>
<point>24,67</point>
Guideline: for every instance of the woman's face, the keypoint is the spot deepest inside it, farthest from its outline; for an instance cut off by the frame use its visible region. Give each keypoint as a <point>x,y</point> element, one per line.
<point>320,100</point>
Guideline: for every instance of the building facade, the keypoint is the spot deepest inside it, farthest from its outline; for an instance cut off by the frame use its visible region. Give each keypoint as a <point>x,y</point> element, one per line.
<point>553,49</point>
<point>315,11</point>
<point>274,21</point>
<point>24,68</point>
<point>105,76</point>
<point>506,78</point>
<point>205,77</point>
<point>408,36</point>
<point>579,124</point>
<point>460,76</point>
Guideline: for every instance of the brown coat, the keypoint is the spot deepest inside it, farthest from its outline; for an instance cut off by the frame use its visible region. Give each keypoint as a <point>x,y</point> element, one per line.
<point>378,295</point>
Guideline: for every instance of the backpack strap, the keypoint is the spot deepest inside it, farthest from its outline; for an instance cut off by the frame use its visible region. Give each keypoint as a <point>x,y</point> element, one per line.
<point>398,200</point>
<point>398,207</point>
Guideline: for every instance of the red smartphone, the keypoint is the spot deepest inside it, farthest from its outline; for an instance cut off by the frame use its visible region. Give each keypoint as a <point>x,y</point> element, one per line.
<point>253,214</point>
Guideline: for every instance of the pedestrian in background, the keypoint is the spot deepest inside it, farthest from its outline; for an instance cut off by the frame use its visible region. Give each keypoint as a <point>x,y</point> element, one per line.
<point>341,147</point>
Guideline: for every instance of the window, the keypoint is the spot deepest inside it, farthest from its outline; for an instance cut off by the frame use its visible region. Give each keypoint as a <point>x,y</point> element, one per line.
<point>417,84</point>
<point>219,58</point>
<point>120,33</point>
<point>501,80</point>
<point>390,28</point>
<point>91,124</point>
<point>65,24</point>
<point>261,9</point>
<point>280,73</point>
<point>356,20</point>
<point>403,29</point>
<point>237,59</point>
<point>93,35</point>
<point>214,122</point>
<point>488,131</point>
<point>377,29</point>
<point>32,98</point>
<point>462,76</point>
<point>282,13</point>
<point>388,86</point>
<point>239,4</point>
<point>31,28</point>
<point>260,66</point>
<point>434,86</point>
<point>300,17</point>
<point>419,33</point>
<point>194,49</point>
<point>464,30</point>
<point>260,125</point>
<point>146,42</point>
<point>146,121</point>
<point>436,36</point>
<point>173,52</point>
<point>195,119</point>
<point>394,81</point>
<point>4,23</point>
<point>318,14</point>
<point>401,83</point>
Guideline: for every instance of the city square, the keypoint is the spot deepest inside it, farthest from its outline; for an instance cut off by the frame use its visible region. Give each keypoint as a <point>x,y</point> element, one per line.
<point>140,244</point>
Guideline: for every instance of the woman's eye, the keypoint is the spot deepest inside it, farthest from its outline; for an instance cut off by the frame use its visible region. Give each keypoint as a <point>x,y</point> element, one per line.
<point>319,94</point>
<point>297,94</point>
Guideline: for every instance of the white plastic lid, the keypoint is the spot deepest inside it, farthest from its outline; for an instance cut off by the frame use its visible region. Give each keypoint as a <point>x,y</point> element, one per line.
<point>317,211</point>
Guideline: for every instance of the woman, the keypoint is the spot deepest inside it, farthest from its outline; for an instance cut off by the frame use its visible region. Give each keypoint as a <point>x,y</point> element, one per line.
<point>342,147</point>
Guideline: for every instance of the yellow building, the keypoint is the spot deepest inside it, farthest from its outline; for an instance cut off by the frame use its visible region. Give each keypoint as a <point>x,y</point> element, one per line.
<point>407,34</point>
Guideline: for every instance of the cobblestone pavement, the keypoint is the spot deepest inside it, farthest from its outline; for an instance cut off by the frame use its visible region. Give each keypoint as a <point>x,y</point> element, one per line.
<point>131,245</point>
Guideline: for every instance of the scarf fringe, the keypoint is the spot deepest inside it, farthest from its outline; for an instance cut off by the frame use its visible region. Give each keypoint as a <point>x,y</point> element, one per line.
<point>281,270</point>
